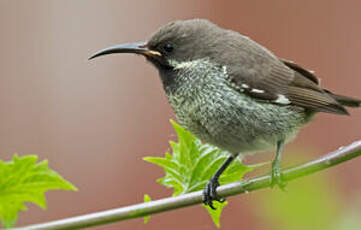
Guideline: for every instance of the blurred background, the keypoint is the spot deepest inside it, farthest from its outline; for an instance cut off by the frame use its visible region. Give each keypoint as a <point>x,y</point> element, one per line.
<point>95,120</point>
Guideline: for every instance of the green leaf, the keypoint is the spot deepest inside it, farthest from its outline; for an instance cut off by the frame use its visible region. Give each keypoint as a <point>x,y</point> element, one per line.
<point>23,180</point>
<point>216,214</point>
<point>146,199</point>
<point>191,164</point>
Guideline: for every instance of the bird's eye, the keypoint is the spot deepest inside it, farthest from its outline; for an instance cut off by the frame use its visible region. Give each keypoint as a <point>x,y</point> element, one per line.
<point>168,47</point>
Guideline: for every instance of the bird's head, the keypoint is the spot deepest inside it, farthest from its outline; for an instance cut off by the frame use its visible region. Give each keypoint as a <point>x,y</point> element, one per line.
<point>176,43</point>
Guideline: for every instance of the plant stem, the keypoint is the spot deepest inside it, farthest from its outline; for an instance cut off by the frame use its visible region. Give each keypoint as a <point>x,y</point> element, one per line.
<point>143,209</point>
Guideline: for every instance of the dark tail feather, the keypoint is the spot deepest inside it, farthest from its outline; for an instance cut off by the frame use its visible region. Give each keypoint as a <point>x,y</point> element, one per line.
<point>346,101</point>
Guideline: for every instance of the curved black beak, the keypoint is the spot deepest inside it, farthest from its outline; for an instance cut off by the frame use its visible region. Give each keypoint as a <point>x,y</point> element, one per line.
<point>137,48</point>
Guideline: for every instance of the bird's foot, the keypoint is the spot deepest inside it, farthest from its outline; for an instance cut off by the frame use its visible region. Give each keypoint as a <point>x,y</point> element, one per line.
<point>210,193</point>
<point>276,176</point>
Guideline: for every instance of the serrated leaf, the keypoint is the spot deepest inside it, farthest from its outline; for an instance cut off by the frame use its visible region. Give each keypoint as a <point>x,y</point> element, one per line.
<point>23,180</point>
<point>146,199</point>
<point>9,213</point>
<point>191,164</point>
<point>216,214</point>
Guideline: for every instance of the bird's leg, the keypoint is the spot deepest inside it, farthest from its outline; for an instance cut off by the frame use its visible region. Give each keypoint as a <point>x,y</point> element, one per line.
<point>276,175</point>
<point>210,190</point>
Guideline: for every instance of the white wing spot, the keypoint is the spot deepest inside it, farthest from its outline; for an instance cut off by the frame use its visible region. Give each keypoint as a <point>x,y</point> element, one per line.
<point>245,86</point>
<point>257,91</point>
<point>224,69</point>
<point>282,99</point>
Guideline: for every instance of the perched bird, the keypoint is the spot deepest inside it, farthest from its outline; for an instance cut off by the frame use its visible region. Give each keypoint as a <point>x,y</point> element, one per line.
<point>232,92</point>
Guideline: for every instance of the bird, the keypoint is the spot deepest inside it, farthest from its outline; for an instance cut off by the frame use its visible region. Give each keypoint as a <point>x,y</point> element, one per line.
<point>231,92</point>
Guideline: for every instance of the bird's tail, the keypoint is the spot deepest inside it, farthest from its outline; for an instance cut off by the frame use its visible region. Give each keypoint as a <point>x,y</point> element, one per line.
<point>344,100</point>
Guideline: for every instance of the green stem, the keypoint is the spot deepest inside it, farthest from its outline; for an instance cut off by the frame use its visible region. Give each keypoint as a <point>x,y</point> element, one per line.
<point>144,209</point>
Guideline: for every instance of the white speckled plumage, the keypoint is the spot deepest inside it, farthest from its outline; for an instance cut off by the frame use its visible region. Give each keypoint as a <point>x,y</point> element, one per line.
<point>207,104</point>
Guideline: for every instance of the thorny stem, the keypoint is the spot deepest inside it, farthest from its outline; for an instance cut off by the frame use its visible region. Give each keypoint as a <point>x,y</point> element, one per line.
<point>143,209</point>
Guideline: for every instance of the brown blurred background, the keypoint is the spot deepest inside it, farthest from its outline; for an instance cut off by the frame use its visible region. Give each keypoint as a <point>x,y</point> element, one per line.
<point>95,120</point>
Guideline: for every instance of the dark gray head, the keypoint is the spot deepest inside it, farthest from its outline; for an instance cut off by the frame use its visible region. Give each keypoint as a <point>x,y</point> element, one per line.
<point>177,42</point>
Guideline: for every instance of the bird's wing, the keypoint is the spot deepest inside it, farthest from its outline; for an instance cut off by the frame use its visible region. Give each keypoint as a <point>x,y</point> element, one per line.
<point>259,74</point>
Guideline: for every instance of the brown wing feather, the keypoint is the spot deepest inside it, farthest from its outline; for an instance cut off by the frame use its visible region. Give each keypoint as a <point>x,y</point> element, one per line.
<point>301,70</point>
<point>272,78</point>
<point>314,100</point>
<point>305,90</point>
